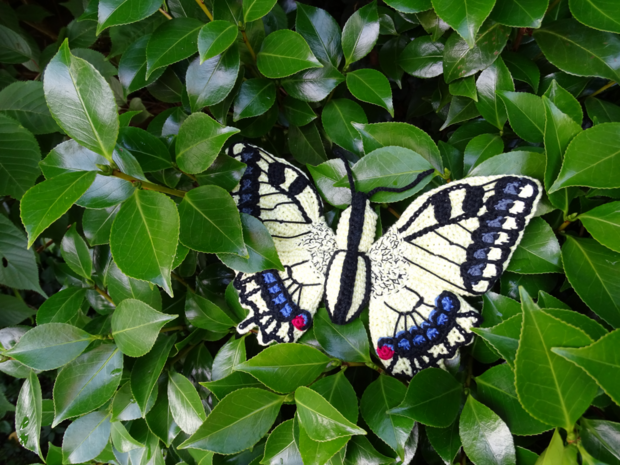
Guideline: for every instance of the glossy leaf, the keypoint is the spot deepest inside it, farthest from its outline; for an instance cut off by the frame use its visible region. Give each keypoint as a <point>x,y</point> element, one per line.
<point>526,114</point>
<point>432,398</point>
<point>565,101</point>
<point>237,422</point>
<point>185,404</point>
<point>360,33</point>
<point>422,58</point>
<point>281,447</point>
<point>550,388</point>
<point>210,82</point>
<point>228,357</point>
<point>234,381</point>
<point>225,172</point>
<point>81,102</point>
<point>283,53</point>
<point>522,69</point>
<point>481,148</point>
<point>49,346</point>
<point>461,109</point>
<point>325,176</point>
<point>601,111</point>
<point>579,50</point>
<point>603,223</point>
<point>346,342</point>
<point>256,9</point>
<point>136,325</point>
<point>173,41</point>
<point>121,439</point>
<point>369,85</point>
<point>76,253</point>
<point>215,38</point>
<point>321,32</point>
<point>464,17</point>
<point>86,437</point>
<point>519,13</point>
<point>88,382</point>
<point>380,396</point>
<point>143,238</point>
<point>313,85</point>
<point>28,414</point>
<point>132,67</point>
<point>493,79</point>
<point>25,102</point>
<point>360,450</point>
<point>121,287</point>
<point>298,113</point>
<point>255,97</point>
<point>504,337</point>
<point>62,307</point>
<point>202,313</point>
<point>306,145</point>
<point>486,438</point>
<point>591,270</point>
<point>538,251</point>
<point>115,12</point>
<point>518,162</point>
<point>445,441</point>
<point>151,152</point>
<point>285,367</point>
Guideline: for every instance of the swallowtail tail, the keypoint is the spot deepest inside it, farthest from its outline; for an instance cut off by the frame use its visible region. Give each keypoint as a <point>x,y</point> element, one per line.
<point>453,241</point>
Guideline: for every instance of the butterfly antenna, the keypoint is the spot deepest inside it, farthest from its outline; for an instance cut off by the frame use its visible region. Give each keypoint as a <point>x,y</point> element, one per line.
<point>349,172</point>
<point>411,185</point>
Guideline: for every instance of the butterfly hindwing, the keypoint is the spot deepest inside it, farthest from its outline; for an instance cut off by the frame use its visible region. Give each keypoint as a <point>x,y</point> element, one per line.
<point>282,303</point>
<point>453,241</point>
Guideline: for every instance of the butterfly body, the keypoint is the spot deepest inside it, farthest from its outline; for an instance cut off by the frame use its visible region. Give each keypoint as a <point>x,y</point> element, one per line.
<point>451,242</point>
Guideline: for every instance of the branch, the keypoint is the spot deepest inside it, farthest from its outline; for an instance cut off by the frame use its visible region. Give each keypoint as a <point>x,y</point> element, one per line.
<point>205,9</point>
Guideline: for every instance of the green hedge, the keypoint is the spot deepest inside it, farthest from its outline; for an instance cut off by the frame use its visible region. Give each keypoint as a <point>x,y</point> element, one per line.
<point>118,232</point>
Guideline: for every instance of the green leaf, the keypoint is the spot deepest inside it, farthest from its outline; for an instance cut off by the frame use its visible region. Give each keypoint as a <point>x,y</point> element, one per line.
<point>601,438</point>
<point>260,247</point>
<point>550,388</point>
<point>14,311</point>
<point>62,307</point>
<point>496,389</point>
<point>228,357</point>
<point>520,13</point>
<point>237,422</point>
<point>579,50</point>
<point>284,53</point>
<point>199,142</point>
<point>18,159</point>
<point>464,17</point>
<point>481,148</point>
<point>25,102</point>
<point>369,85</point>
<point>600,361</point>
<point>15,48</point>
<point>522,163</point>
<point>346,342</point>
<point>255,97</point>
<point>76,254</point>
<point>146,371</point>
<point>422,58</point>
<point>389,54</point>
<point>160,419</point>
<point>360,450</point>
<point>338,391</point>
<point>121,287</point>
<point>565,101</point>
<point>28,414</point>
<point>86,437</point>
<point>297,112</point>
<point>493,79</point>
<point>136,325</point>
<point>285,367</point>
<point>210,221</point>
<point>224,172</point>
<point>460,61</point>
<point>522,69</point>
<point>504,337</point>
<point>116,12</point>
<point>321,32</point>
<point>210,82</point>
<point>256,9</point>
<point>185,403</point>
<point>151,152</point>
<point>314,452</point>
<point>132,67</point>
<point>591,270</point>
<point>465,87</point>
<point>49,346</point>
<point>215,38</point>
<point>121,439</point>
<point>325,176</point>
<point>597,14</point>
<point>320,420</point>
<point>461,109</point>
<point>337,118</point>
<point>19,269</point>
<point>445,441</point>
<point>143,239</point>
<point>87,383</point>
<point>603,223</point>
<point>360,33</point>
<point>173,41</point>
<point>432,24</point>
<point>538,252</point>
<point>236,380</point>
<point>381,395</point>
<point>204,314</point>
<point>590,159</point>
<point>391,167</point>
<point>433,398</point>
<point>81,102</point>
<point>601,111</point>
<point>124,406</point>
<point>526,114</point>
<point>313,85</point>
<point>486,438</point>
<point>306,145</point>
<point>280,446</point>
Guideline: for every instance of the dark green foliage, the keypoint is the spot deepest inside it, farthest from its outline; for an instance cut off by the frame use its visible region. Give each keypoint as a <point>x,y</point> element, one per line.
<point>119,236</point>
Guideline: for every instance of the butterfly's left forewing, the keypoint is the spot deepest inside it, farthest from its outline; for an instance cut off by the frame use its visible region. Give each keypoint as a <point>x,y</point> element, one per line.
<point>282,303</point>
<point>453,241</point>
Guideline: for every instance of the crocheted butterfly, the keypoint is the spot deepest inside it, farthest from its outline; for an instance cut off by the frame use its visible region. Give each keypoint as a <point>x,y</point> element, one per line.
<point>453,241</point>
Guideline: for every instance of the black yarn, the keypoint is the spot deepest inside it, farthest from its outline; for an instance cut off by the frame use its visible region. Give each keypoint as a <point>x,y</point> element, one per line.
<point>411,185</point>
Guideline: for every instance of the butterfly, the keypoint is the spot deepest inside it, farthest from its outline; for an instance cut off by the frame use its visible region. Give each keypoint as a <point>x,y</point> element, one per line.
<point>451,242</point>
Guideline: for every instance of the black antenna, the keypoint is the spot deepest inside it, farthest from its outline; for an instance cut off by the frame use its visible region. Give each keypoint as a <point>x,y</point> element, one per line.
<point>349,172</point>
<point>411,185</point>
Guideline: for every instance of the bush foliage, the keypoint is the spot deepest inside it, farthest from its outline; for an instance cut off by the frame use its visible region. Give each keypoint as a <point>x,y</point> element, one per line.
<point>118,234</point>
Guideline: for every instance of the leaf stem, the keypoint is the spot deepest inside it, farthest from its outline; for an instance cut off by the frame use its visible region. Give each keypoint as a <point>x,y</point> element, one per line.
<point>204,8</point>
<point>393,212</point>
<point>165,13</point>
<point>105,295</point>
<point>45,246</point>
<point>182,281</point>
<point>173,328</point>
<point>148,185</point>
<point>247,43</point>
<point>603,89</point>
<point>563,226</point>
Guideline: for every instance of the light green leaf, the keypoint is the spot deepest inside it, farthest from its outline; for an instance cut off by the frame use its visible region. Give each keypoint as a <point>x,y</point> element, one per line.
<point>369,85</point>
<point>185,403</point>
<point>360,33</point>
<point>538,252</point>
<point>86,437</point>
<point>28,414</point>
<point>173,41</point>
<point>464,17</point>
